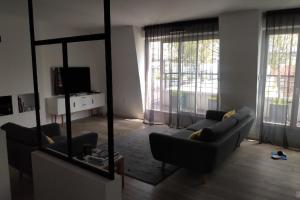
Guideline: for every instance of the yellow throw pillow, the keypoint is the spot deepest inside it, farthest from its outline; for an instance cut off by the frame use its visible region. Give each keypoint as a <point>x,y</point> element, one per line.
<point>196,135</point>
<point>229,114</point>
<point>50,141</point>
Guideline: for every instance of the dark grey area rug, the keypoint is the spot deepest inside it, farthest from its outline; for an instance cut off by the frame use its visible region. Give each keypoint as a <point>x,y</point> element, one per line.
<point>139,162</point>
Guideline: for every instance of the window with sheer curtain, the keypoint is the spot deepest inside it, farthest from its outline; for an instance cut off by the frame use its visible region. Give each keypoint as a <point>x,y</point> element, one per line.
<point>182,71</point>
<point>278,105</point>
<point>280,80</point>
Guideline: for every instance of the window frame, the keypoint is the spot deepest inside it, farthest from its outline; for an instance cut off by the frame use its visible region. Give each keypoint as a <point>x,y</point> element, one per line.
<point>296,90</point>
<point>163,86</point>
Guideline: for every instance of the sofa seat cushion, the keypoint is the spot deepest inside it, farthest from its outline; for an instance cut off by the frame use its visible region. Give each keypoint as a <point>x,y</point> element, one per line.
<point>183,134</point>
<point>201,124</point>
<point>218,130</point>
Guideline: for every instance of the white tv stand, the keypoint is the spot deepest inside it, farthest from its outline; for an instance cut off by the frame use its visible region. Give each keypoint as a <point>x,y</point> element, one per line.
<point>81,102</point>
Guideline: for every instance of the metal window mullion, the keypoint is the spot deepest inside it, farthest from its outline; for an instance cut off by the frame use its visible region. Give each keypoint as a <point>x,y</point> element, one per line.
<point>66,87</point>
<point>109,85</point>
<point>296,95</point>
<point>179,76</point>
<point>196,75</point>
<point>34,71</point>
<point>161,72</point>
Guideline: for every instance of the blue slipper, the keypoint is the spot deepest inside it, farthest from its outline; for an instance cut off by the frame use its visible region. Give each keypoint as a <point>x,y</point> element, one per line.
<point>279,155</point>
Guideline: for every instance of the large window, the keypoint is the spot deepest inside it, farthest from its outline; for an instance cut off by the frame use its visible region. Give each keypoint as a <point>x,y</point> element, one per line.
<point>282,80</point>
<point>182,71</point>
<point>185,71</point>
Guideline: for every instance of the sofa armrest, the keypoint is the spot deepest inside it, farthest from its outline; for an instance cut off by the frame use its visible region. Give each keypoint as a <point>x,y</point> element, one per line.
<point>77,144</point>
<point>215,115</point>
<point>186,153</point>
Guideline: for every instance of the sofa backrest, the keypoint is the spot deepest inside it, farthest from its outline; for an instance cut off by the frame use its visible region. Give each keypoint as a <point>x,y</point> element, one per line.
<point>243,118</point>
<point>50,130</point>
<point>23,135</point>
<point>218,129</point>
<point>242,114</point>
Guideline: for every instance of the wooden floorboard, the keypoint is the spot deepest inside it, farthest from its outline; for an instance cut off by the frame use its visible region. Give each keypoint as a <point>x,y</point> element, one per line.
<point>247,174</point>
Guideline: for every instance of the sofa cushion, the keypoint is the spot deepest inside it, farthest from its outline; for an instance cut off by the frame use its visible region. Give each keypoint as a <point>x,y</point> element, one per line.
<point>215,115</point>
<point>49,139</point>
<point>196,135</point>
<point>229,114</point>
<point>201,124</point>
<point>217,130</point>
<point>242,114</point>
<point>183,134</point>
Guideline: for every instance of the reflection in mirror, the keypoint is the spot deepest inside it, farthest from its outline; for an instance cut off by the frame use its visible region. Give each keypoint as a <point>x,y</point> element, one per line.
<point>26,103</point>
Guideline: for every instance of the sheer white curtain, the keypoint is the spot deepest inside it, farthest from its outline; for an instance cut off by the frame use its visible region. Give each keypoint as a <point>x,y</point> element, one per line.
<point>182,71</point>
<point>278,105</point>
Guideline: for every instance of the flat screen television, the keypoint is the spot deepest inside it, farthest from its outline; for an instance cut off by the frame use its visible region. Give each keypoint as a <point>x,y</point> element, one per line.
<point>78,78</point>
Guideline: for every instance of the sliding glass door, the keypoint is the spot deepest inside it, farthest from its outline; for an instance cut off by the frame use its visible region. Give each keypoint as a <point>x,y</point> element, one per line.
<point>182,71</point>
<point>282,80</point>
<point>186,70</point>
<point>278,98</point>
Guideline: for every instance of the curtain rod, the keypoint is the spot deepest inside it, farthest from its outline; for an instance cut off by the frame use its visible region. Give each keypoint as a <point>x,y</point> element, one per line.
<point>183,23</point>
<point>284,11</point>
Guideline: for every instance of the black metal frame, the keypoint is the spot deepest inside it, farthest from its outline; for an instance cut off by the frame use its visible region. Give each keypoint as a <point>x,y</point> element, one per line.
<point>106,36</point>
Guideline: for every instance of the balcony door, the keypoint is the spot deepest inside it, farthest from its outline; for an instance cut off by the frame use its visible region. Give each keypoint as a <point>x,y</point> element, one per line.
<point>279,86</point>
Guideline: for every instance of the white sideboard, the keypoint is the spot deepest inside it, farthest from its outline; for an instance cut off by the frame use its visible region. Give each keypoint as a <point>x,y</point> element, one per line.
<point>56,105</point>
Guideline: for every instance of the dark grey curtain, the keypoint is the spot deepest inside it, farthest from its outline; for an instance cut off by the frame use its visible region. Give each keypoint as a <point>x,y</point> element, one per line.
<point>182,71</point>
<point>278,99</point>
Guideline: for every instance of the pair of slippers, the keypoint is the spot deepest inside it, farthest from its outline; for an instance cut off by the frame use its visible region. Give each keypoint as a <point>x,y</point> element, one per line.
<point>279,155</point>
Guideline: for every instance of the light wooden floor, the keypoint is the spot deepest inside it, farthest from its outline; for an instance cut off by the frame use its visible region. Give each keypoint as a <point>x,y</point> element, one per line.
<point>248,174</point>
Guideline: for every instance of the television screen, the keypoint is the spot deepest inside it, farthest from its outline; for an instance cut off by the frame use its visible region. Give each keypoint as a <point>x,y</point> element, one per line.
<point>78,79</point>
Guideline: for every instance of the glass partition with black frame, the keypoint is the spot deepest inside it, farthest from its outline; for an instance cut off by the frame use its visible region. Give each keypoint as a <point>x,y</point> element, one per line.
<point>182,71</point>
<point>278,105</point>
<point>70,147</point>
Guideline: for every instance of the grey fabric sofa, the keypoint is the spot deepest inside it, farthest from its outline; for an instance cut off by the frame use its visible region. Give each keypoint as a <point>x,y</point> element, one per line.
<point>205,155</point>
<point>21,141</point>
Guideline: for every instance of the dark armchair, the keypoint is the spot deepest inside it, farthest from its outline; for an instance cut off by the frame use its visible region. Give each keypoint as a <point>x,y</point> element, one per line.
<point>22,141</point>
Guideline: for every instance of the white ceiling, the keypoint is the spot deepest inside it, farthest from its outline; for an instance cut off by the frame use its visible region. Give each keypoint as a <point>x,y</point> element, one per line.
<point>89,13</point>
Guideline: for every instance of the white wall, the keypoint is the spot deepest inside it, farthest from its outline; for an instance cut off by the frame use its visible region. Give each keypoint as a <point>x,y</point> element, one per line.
<point>139,36</point>
<point>239,58</point>
<point>56,179</point>
<point>15,58</point>
<point>126,81</point>
<point>239,36</point>
<point>16,68</point>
